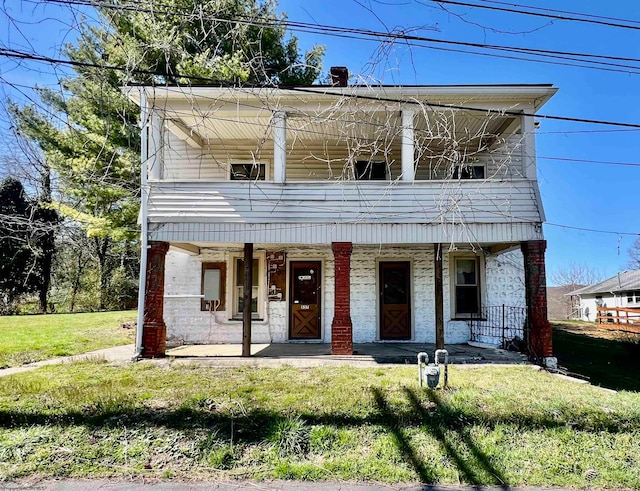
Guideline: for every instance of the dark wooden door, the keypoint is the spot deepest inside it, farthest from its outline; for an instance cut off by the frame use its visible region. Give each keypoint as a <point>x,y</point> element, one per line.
<point>304,300</point>
<point>395,300</point>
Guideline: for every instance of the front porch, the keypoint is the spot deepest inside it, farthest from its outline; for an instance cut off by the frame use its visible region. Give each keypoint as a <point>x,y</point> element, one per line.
<point>364,354</point>
<point>353,299</point>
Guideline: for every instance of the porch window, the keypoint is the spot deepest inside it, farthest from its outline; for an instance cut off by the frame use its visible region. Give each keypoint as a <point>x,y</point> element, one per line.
<point>213,286</point>
<point>248,172</point>
<point>468,172</point>
<point>238,288</point>
<point>371,170</point>
<point>466,276</point>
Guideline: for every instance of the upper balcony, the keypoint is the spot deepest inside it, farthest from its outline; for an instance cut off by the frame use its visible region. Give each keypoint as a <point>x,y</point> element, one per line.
<point>334,133</point>
<point>354,155</point>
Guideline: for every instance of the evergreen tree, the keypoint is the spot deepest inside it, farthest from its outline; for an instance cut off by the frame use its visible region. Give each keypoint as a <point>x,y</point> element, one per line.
<point>90,136</point>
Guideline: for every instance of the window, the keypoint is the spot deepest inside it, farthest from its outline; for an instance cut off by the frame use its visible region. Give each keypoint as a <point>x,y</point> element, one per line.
<point>371,170</point>
<point>466,286</point>
<point>248,172</point>
<point>468,172</point>
<point>238,288</point>
<point>213,286</point>
<point>629,297</point>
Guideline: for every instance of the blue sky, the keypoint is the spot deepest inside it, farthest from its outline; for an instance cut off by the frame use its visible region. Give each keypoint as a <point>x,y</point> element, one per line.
<point>577,194</point>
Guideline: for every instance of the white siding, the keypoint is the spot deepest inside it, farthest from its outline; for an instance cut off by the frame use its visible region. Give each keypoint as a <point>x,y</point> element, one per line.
<point>358,233</point>
<point>503,161</point>
<point>345,202</point>
<point>328,159</point>
<point>182,161</point>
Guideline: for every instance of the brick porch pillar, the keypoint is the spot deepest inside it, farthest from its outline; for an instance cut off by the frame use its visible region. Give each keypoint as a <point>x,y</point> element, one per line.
<point>536,296</point>
<point>341,327</point>
<point>154,330</point>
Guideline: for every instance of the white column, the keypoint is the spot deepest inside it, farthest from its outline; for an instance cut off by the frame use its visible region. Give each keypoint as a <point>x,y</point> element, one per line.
<point>408,145</point>
<point>279,146</point>
<point>155,145</point>
<point>529,145</point>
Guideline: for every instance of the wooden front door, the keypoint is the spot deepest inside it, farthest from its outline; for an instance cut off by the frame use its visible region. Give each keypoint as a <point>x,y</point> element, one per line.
<point>304,300</point>
<point>395,300</point>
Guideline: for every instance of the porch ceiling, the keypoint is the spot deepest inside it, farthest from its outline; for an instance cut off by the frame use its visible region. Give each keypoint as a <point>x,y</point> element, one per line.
<point>196,247</point>
<point>433,128</point>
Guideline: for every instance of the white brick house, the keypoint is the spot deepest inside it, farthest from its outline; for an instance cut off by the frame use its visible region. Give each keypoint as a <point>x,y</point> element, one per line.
<point>373,213</point>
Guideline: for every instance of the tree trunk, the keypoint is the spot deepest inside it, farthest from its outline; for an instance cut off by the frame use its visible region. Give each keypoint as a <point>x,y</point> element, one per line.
<point>76,281</point>
<point>103,260</point>
<point>47,242</point>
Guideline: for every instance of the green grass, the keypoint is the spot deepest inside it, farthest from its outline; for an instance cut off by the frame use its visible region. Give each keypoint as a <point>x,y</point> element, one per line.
<point>29,338</point>
<point>496,426</point>
<point>607,358</point>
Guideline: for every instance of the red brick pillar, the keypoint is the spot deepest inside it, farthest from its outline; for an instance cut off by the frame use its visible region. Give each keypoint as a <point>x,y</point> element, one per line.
<point>154,330</point>
<point>536,293</point>
<point>341,327</point>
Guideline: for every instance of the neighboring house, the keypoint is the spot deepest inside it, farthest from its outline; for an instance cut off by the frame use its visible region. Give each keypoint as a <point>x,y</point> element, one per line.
<point>621,291</point>
<point>384,213</point>
<point>561,306</point>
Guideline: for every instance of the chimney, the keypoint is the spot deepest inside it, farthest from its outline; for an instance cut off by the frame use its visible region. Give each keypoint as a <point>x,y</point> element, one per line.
<point>339,76</point>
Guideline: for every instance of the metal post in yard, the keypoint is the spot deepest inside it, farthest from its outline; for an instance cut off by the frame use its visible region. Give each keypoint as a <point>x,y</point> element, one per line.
<point>438,296</point>
<point>503,323</point>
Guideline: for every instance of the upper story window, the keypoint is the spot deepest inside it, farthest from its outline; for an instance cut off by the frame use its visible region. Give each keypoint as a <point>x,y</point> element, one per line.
<point>248,172</point>
<point>469,172</point>
<point>371,170</point>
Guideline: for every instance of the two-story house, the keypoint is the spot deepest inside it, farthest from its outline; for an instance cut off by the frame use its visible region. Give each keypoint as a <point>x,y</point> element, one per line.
<point>371,213</point>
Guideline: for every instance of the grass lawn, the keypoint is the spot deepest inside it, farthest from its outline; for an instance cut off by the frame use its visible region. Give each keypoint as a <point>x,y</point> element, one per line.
<point>29,338</point>
<point>498,426</point>
<point>607,358</point>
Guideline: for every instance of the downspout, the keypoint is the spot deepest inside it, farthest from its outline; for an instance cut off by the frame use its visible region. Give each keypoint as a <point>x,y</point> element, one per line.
<point>144,196</point>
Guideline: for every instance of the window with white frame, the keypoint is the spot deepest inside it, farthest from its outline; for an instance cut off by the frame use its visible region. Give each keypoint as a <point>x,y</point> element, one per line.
<point>468,171</point>
<point>254,171</point>
<point>371,170</point>
<point>257,287</point>
<point>466,285</point>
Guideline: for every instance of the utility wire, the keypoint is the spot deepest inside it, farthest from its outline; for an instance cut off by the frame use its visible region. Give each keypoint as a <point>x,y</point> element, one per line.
<point>35,57</point>
<point>330,29</point>
<point>559,15</point>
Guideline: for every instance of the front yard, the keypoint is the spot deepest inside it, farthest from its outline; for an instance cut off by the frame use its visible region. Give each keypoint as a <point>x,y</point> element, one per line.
<point>498,426</point>
<point>29,338</point>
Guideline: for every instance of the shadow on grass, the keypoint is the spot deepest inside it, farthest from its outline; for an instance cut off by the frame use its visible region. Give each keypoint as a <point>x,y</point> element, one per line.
<point>434,423</point>
<point>424,411</point>
<point>608,363</point>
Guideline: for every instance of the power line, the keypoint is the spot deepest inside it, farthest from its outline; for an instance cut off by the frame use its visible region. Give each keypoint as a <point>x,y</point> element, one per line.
<point>583,229</point>
<point>606,162</point>
<point>324,29</point>
<point>35,57</point>
<point>559,15</point>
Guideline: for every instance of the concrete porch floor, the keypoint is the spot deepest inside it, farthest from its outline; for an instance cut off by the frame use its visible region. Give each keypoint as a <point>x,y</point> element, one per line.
<point>316,354</point>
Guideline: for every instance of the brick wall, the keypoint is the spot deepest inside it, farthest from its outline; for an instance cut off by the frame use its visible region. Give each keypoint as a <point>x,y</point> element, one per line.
<point>536,293</point>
